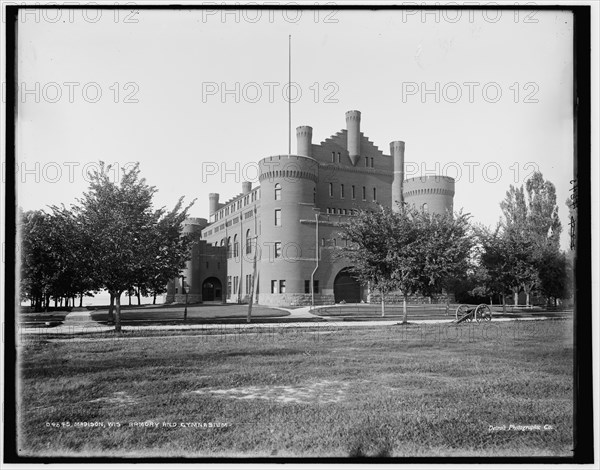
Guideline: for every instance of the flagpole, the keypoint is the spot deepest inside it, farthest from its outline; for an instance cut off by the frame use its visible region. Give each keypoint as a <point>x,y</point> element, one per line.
<point>290,95</point>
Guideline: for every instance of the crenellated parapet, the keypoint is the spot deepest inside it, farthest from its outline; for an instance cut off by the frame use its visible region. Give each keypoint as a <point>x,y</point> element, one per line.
<point>432,193</point>
<point>289,167</point>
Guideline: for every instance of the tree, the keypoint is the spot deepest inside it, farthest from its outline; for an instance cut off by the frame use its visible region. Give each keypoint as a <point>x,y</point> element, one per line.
<point>37,258</point>
<point>435,252</point>
<point>127,235</point>
<point>369,246</point>
<point>410,250</point>
<point>531,229</point>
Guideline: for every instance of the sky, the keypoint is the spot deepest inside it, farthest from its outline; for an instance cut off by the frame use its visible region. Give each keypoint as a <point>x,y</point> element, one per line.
<point>198,97</point>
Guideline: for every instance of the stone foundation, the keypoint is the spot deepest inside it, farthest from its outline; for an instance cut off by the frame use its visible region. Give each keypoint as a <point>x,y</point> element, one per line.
<point>294,300</point>
<point>398,298</point>
<point>180,298</point>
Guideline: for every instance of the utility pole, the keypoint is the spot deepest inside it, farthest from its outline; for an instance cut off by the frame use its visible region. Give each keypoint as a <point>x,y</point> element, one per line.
<point>249,317</point>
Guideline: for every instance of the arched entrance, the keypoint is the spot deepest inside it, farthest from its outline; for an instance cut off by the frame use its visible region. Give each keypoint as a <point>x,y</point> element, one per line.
<point>346,287</point>
<point>211,290</point>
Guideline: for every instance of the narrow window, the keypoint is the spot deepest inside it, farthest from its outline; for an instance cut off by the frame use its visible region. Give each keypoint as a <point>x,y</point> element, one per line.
<point>330,189</point>
<point>248,242</point>
<point>273,287</point>
<point>374,194</point>
<point>314,195</point>
<point>353,192</point>
<point>322,242</point>
<point>372,162</point>
<point>332,157</point>
<point>307,286</point>
<point>282,287</point>
<point>236,246</point>
<point>339,157</point>
<point>229,247</point>
<point>425,207</point>
<point>277,191</point>
<point>316,286</point>
<point>341,190</point>
<point>277,249</point>
<point>367,161</point>
<point>277,217</point>
<point>364,198</point>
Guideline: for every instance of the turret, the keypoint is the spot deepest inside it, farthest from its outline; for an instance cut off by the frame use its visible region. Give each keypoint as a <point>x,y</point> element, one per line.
<point>353,129</point>
<point>304,141</point>
<point>213,203</point>
<point>397,153</point>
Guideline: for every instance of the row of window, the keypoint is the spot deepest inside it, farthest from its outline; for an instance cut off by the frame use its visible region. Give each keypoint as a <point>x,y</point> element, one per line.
<point>242,202</point>
<point>236,245</point>
<point>338,211</point>
<point>368,160</point>
<point>278,286</point>
<point>233,285</point>
<point>352,192</point>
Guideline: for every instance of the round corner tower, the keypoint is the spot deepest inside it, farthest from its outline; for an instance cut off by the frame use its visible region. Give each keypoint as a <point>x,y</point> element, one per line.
<point>287,238</point>
<point>431,193</point>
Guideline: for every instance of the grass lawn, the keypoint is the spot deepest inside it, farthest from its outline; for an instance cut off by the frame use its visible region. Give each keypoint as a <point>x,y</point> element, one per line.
<point>327,390</point>
<point>163,314</point>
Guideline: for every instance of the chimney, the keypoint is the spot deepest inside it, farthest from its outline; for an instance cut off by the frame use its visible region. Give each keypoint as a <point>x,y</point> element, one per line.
<point>353,128</point>
<point>246,187</point>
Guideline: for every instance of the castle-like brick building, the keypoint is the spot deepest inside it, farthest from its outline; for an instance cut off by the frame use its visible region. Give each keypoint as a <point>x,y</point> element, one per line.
<point>281,235</point>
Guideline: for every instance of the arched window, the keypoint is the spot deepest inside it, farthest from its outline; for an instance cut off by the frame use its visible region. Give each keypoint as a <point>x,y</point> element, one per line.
<point>229,247</point>
<point>248,242</point>
<point>222,241</point>
<point>425,207</point>
<point>277,191</point>
<point>236,246</point>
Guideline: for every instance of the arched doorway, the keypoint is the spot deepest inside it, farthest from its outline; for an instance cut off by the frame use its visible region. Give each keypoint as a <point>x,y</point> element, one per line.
<point>346,287</point>
<point>211,290</point>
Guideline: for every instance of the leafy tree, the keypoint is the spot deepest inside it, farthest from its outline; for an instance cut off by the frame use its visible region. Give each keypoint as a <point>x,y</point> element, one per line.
<point>128,237</point>
<point>37,258</point>
<point>531,231</point>
<point>434,254</point>
<point>369,247</point>
<point>410,250</point>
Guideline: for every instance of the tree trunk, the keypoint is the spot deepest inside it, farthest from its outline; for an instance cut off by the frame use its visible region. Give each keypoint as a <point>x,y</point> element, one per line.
<point>129,297</point>
<point>118,312</point>
<point>139,297</point>
<point>491,300</point>
<point>154,299</point>
<point>382,304</point>
<point>111,308</point>
<point>504,303</point>
<point>527,299</point>
<point>80,300</point>
<point>516,298</point>
<point>404,310</point>
<point>55,302</point>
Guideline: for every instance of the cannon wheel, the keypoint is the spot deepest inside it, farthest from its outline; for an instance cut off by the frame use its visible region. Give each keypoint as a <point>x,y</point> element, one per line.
<point>461,311</point>
<point>483,312</point>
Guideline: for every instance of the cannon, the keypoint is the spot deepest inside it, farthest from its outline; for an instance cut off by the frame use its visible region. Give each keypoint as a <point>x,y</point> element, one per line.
<point>476,313</point>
